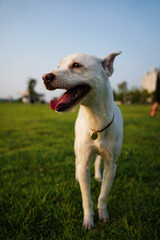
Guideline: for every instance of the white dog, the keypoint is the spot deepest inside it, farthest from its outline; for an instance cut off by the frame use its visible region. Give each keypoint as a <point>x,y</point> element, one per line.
<point>99,125</point>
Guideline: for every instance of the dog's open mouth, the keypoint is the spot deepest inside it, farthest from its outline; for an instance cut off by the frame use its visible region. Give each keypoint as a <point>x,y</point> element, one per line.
<point>70,98</point>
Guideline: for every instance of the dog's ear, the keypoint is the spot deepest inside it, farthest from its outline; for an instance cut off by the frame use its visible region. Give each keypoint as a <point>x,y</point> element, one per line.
<point>107,62</point>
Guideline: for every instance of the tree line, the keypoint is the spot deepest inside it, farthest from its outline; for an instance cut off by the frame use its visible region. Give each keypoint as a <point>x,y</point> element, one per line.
<point>133,95</point>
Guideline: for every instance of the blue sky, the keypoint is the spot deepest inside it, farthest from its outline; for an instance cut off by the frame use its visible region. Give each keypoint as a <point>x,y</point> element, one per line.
<point>35,35</point>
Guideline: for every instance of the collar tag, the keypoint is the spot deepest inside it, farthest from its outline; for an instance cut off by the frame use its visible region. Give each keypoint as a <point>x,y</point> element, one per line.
<point>94,135</point>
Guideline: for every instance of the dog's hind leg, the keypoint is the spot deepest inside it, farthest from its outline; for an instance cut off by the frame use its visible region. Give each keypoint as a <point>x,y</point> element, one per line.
<point>97,169</point>
<point>108,177</point>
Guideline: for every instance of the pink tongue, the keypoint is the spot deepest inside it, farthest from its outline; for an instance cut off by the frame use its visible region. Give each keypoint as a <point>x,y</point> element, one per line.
<point>64,99</point>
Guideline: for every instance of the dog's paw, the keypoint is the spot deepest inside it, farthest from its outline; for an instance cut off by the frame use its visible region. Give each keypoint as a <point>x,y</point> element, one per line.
<point>98,179</point>
<point>88,222</point>
<point>98,176</point>
<point>103,214</point>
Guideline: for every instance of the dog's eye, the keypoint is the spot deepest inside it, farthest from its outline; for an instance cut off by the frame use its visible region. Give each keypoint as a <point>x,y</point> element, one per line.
<point>76,65</point>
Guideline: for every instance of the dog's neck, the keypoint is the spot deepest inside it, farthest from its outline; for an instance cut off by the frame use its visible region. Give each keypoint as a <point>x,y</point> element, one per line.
<point>98,109</point>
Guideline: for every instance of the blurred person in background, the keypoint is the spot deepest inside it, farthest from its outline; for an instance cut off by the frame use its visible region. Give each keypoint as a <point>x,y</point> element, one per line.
<point>155,106</point>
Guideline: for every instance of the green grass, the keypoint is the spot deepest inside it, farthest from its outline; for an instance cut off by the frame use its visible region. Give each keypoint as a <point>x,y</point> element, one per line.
<point>39,198</point>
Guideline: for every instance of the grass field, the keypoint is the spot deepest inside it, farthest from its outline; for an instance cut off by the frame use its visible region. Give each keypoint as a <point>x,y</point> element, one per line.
<point>39,198</point>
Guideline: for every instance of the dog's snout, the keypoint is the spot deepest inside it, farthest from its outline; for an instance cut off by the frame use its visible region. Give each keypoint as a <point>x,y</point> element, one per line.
<point>48,78</point>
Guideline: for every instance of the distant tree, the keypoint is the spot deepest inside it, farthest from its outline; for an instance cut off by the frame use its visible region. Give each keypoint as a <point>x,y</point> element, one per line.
<point>31,90</point>
<point>135,95</point>
<point>123,87</point>
<point>122,91</point>
<point>115,95</point>
<point>144,96</point>
<point>120,97</point>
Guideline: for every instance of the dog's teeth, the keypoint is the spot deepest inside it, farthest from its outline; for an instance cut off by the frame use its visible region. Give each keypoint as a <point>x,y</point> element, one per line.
<point>78,92</point>
<point>76,95</point>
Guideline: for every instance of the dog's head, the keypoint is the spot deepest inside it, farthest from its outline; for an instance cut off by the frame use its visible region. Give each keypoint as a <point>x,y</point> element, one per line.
<point>80,75</point>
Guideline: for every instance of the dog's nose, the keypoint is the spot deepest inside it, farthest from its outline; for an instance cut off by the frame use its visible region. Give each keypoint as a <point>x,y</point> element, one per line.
<point>48,78</point>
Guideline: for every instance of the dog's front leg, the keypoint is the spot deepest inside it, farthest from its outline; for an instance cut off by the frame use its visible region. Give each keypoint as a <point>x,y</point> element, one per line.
<point>108,177</point>
<point>83,172</point>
